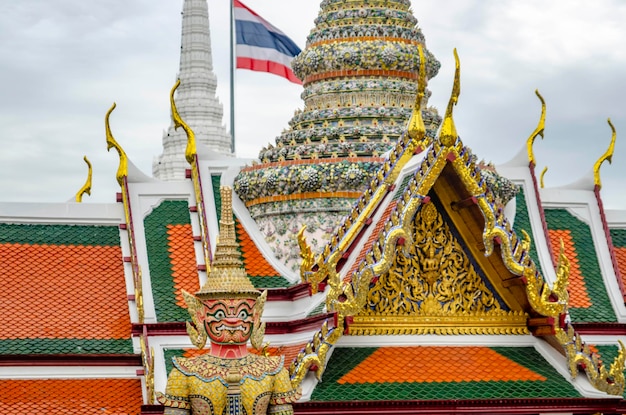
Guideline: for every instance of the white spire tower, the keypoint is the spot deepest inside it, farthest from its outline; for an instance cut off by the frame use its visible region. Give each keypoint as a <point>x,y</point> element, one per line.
<point>195,98</point>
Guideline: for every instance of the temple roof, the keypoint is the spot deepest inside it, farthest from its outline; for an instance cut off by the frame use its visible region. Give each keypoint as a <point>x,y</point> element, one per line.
<point>440,373</point>
<point>68,293</point>
<point>444,258</point>
<point>445,282</point>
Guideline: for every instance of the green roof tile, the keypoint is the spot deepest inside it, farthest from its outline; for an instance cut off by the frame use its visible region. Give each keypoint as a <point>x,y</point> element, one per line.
<point>343,360</point>
<point>168,354</point>
<point>169,212</point>
<point>619,237</point>
<point>522,222</point>
<point>402,187</point>
<point>601,309</point>
<point>65,346</point>
<point>215,182</point>
<point>317,310</point>
<point>59,234</point>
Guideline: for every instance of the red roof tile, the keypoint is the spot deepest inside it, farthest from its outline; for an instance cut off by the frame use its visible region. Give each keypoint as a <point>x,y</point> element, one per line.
<point>67,397</point>
<point>620,254</point>
<point>437,364</point>
<point>255,263</point>
<point>183,259</point>
<point>63,291</point>
<point>373,237</point>
<point>578,296</point>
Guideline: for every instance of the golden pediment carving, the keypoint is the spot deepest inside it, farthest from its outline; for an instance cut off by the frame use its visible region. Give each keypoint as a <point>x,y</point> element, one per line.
<point>434,289</point>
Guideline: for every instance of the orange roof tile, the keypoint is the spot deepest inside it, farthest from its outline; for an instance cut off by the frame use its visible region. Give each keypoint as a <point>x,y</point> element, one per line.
<point>71,396</point>
<point>63,291</point>
<point>437,364</point>
<point>620,254</point>
<point>255,263</point>
<point>578,296</point>
<point>183,259</point>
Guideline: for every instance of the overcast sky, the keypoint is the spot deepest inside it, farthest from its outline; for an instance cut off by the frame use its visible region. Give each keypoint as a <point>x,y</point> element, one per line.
<point>64,62</point>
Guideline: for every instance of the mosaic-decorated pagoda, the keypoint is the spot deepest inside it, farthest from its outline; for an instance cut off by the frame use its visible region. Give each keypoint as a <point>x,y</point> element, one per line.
<point>449,285</point>
<point>359,71</point>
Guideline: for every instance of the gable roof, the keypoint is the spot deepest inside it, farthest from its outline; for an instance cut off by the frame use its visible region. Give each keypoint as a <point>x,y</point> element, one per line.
<point>450,177</point>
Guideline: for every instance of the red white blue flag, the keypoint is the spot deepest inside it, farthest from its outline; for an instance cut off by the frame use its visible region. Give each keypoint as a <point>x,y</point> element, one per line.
<point>261,46</point>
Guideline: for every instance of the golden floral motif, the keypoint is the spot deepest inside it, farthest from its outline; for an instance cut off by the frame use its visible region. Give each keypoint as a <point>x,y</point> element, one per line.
<point>436,276</point>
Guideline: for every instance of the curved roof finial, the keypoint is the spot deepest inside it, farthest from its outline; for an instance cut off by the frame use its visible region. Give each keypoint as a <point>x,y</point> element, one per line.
<point>538,131</point>
<point>122,170</point>
<point>417,129</point>
<point>608,155</point>
<point>448,133</point>
<point>190,151</point>
<point>87,186</point>
<point>543,173</point>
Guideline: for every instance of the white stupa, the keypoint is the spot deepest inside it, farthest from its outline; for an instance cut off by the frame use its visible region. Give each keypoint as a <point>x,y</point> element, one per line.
<point>195,98</point>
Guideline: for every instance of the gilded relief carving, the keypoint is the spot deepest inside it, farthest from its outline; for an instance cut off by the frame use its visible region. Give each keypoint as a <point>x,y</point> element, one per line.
<point>436,277</point>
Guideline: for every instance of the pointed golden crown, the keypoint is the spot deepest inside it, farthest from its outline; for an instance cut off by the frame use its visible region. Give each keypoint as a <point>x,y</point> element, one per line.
<point>227,278</point>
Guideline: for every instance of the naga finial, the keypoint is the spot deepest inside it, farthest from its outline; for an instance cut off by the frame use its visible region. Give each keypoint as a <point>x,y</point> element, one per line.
<point>562,275</point>
<point>448,134</point>
<point>305,253</point>
<point>190,151</point>
<point>87,186</point>
<point>417,129</point>
<point>538,131</point>
<point>608,155</point>
<point>122,170</point>
<point>541,176</point>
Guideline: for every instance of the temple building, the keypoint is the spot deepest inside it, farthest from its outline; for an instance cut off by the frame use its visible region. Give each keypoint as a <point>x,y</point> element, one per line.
<point>402,273</point>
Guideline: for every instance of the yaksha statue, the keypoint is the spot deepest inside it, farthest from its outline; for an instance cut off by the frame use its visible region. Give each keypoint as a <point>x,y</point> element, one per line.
<point>228,380</point>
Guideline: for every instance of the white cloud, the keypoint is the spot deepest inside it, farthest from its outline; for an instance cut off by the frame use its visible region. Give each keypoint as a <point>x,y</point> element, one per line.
<point>65,63</point>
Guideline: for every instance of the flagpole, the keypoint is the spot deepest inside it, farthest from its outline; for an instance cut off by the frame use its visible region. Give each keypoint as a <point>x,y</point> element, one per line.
<point>232,75</point>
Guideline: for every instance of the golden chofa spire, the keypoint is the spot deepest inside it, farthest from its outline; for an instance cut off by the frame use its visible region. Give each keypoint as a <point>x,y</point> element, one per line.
<point>122,170</point>
<point>417,129</point>
<point>227,278</point>
<point>538,131</point>
<point>608,156</point>
<point>87,186</point>
<point>448,134</point>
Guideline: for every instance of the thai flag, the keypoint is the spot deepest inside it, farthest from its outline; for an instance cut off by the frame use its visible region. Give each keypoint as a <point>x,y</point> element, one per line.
<point>262,47</point>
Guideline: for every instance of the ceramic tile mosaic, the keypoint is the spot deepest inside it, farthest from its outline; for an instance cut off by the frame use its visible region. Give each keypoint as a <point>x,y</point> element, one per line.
<point>71,396</point>
<point>171,257</point>
<point>581,249</point>
<point>68,291</point>
<point>422,372</point>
